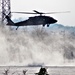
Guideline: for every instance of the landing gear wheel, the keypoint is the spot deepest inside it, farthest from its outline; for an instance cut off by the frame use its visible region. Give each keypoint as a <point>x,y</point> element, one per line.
<point>47,25</point>
<point>43,25</point>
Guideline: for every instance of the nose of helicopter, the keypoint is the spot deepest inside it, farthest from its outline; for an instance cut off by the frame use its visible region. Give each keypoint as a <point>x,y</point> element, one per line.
<point>55,21</point>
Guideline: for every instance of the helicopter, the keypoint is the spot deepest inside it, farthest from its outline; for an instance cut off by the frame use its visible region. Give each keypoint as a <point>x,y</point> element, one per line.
<point>34,20</point>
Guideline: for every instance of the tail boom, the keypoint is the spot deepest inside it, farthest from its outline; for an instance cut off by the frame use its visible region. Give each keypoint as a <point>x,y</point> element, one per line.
<point>9,21</point>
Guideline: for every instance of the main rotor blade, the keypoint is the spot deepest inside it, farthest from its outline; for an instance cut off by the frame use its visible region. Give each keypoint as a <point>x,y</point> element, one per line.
<point>57,12</point>
<point>24,12</point>
<point>36,12</point>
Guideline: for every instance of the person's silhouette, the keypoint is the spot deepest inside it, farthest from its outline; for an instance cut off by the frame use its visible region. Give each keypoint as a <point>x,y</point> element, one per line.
<point>42,71</point>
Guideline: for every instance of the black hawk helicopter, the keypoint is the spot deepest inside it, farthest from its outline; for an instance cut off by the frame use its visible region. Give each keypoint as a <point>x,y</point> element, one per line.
<point>35,20</point>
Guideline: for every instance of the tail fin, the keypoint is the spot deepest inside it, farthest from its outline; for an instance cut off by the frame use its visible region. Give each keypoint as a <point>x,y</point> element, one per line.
<point>9,21</point>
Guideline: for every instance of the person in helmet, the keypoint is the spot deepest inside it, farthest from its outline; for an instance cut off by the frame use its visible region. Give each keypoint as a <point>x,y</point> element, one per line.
<point>42,71</point>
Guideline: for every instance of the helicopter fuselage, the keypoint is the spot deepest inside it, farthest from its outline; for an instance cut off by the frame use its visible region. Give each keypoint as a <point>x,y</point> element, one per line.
<point>37,20</point>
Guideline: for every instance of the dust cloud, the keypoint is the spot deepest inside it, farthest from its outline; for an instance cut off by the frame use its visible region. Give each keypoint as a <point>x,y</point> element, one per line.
<point>37,45</point>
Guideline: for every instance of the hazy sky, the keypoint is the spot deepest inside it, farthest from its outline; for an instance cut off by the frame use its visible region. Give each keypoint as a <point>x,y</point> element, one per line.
<point>48,6</point>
